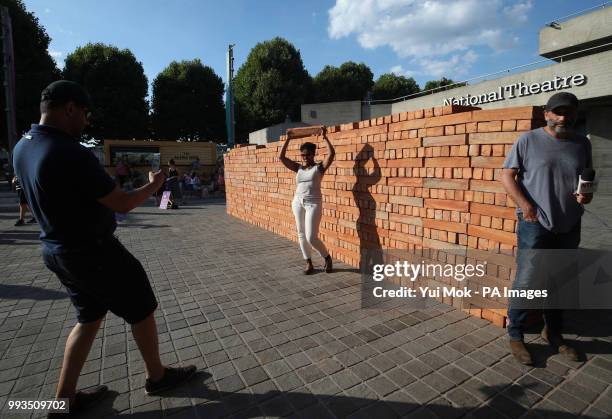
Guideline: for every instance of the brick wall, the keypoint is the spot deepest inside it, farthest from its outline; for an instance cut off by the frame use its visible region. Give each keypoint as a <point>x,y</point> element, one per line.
<point>427,179</point>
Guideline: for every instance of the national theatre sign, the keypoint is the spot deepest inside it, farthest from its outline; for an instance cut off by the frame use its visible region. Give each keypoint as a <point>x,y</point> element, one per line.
<point>519,89</point>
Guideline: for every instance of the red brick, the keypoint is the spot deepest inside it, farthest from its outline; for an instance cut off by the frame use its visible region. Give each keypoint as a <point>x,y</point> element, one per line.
<point>491,126</point>
<point>524,112</point>
<point>405,219</point>
<point>406,200</point>
<point>307,131</point>
<point>406,162</point>
<point>447,204</point>
<point>434,131</point>
<point>444,225</point>
<point>377,129</point>
<point>405,143</point>
<point>509,125</point>
<point>455,184</point>
<point>405,181</point>
<point>486,186</point>
<point>498,236</point>
<point>407,125</point>
<point>458,118</point>
<point>493,138</point>
<point>494,162</point>
<point>458,139</point>
<point>349,126</point>
<point>526,125</point>
<point>492,210</point>
<point>447,162</point>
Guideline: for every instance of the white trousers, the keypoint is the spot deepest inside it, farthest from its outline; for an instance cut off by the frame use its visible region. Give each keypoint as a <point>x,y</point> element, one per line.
<point>307,219</point>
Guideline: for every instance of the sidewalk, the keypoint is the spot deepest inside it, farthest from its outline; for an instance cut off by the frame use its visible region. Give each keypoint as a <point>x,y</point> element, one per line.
<point>273,343</point>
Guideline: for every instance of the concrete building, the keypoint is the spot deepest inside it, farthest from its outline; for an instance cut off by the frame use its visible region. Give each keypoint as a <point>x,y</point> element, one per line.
<point>580,50</point>
<point>273,133</point>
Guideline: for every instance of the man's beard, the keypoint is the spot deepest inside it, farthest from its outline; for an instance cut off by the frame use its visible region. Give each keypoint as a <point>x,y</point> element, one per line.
<point>564,129</point>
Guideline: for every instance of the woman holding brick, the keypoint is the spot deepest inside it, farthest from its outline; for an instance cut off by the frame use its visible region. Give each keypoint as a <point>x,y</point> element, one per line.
<point>307,202</point>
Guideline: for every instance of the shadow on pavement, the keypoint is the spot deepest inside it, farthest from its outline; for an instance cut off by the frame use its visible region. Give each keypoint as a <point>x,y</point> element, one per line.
<point>242,404</point>
<point>17,292</point>
<point>141,225</point>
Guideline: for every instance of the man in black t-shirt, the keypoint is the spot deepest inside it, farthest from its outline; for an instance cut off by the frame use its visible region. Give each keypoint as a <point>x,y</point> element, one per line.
<point>76,216</point>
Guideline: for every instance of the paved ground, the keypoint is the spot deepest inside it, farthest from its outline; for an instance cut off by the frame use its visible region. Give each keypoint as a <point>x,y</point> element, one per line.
<point>273,343</point>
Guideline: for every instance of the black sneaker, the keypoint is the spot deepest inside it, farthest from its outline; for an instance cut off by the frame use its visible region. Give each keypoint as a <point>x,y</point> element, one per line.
<point>32,220</point>
<point>83,400</point>
<point>19,222</point>
<point>173,377</point>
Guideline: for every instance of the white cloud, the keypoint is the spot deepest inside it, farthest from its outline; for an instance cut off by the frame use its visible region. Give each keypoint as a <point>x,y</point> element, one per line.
<point>399,70</point>
<point>457,65</point>
<point>436,34</point>
<point>55,54</point>
<point>518,12</point>
<point>47,10</point>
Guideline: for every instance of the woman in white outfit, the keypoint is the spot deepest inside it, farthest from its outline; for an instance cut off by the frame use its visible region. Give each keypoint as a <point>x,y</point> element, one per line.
<point>307,202</point>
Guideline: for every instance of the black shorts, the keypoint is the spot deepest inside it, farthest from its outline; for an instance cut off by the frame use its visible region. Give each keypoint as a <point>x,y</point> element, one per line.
<point>103,277</point>
<point>22,197</point>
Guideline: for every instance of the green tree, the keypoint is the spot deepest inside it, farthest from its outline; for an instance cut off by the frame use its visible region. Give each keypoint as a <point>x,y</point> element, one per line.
<point>443,82</point>
<point>188,103</point>
<point>34,67</point>
<point>269,86</point>
<point>391,86</point>
<point>350,81</point>
<point>118,87</point>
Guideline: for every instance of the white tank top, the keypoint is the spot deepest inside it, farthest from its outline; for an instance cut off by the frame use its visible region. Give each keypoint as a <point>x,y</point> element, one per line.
<point>308,183</point>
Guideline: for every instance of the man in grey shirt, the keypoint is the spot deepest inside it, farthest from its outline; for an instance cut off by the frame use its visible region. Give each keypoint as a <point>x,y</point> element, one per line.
<point>541,174</point>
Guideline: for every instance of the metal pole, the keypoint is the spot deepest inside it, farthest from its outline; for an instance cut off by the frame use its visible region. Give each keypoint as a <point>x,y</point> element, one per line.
<point>9,80</point>
<point>229,98</point>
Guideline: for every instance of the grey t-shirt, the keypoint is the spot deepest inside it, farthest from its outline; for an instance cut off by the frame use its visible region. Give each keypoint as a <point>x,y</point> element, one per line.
<point>548,171</point>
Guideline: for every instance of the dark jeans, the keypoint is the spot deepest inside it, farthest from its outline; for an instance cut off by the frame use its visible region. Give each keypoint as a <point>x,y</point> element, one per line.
<point>531,235</point>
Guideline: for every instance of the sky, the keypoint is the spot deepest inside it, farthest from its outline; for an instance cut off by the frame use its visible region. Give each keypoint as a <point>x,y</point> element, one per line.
<point>424,39</point>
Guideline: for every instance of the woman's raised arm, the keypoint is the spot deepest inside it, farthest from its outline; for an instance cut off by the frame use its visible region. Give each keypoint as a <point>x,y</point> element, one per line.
<point>330,151</point>
<point>289,164</point>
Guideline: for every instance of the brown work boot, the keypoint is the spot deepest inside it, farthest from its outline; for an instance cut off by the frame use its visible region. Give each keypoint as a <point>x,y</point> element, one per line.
<point>520,352</point>
<point>328,264</point>
<point>309,268</point>
<point>556,340</point>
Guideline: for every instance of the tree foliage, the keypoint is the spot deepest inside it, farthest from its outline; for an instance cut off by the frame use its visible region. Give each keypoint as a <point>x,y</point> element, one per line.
<point>118,87</point>
<point>188,103</point>
<point>269,86</point>
<point>350,81</point>
<point>391,86</point>
<point>34,67</point>
<point>443,82</point>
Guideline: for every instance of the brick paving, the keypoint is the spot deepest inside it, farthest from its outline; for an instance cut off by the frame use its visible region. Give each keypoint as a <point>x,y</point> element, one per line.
<point>271,342</point>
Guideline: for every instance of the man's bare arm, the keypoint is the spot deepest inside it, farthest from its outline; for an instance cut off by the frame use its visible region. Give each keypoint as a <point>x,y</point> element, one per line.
<point>508,179</point>
<point>120,201</point>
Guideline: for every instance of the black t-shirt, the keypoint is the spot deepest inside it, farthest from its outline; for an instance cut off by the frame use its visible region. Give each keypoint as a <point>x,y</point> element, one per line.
<point>62,181</point>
